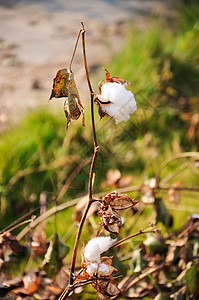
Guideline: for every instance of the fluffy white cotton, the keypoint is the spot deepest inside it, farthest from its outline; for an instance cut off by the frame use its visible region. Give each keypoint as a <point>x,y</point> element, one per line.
<point>92,268</point>
<point>97,246</point>
<point>122,101</point>
<point>103,269</point>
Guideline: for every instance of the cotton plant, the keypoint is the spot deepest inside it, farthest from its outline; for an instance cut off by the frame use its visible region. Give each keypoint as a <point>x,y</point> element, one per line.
<point>114,101</point>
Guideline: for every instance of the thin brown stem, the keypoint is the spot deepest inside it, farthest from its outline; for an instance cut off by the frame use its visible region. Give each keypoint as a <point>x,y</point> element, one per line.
<point>89,85</point>
<point>16,226</point>
<point>131,236</point>
<point>75,48</point>
<point>96,149</point>
<point>77,241</point>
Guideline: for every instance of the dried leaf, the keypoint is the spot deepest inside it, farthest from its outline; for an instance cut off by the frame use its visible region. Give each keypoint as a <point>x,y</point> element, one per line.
<point>12,243</point>
<point>59,84</point>
<point>73,106</point>
<point>122,202</point>
<point>62,278</point>
<point>64,86</point>
<point>110,219</point>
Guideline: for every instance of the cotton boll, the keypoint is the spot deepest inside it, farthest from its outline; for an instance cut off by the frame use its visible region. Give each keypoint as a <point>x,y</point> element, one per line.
<point>97,246</point>
<point>104,243</point>
<point>122,101</point>
<point>92,268</point>
<point>91,251</point>
<point>103,269</point>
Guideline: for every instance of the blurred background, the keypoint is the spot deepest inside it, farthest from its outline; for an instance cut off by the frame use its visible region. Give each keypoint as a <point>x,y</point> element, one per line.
<point>152,44</point>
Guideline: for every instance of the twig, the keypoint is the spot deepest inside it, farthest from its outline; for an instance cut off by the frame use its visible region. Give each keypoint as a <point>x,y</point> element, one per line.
<point>70,288</point>
<point>176,157</point>
<point>131,236</point>
<point>175,173</point>
<point>16,226</point>
<point>75,48</point>
<point>19,219</point>
<point>44,216</point>
<point>178,188</point>
<point>137,279</point>
<point>96,150</point>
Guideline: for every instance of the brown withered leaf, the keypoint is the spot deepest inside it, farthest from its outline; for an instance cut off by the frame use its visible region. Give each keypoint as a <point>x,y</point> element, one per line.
<point>73,107</point>
<point>59,84</point>
<point>31,281</point>
<point>122,202</point>
<point>64,86</point>
<point>11,241</point>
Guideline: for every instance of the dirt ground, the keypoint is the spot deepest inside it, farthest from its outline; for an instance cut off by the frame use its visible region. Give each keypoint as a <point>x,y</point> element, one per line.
<point>37,39</point>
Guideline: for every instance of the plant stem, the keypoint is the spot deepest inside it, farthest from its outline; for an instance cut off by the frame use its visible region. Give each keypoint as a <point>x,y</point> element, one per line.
<point>96,150</point>
<point>75,48</point>
<point>77,241</point>
<point>131,236</point>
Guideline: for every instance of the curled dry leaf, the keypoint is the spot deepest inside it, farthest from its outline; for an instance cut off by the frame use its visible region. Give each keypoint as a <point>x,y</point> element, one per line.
<point>8,245</point>
<point>118,202</point>
<point>64,86</point>
<point>110,204</point>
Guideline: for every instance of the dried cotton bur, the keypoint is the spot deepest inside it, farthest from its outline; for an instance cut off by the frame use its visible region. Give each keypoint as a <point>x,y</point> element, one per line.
<point>99,269</point>
<point>110,204</point>
<point>64,86</point>
<point>114,100</point>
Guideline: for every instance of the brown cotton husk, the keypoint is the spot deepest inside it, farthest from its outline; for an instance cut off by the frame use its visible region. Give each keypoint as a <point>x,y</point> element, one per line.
<point>108,212</point>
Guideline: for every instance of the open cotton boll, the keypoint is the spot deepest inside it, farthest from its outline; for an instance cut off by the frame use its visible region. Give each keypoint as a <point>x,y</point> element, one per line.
<point>97,246</point>
<point>91,251</point>
<point>122,101</point>
<point>92,268</point>
<point>103,269</point>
